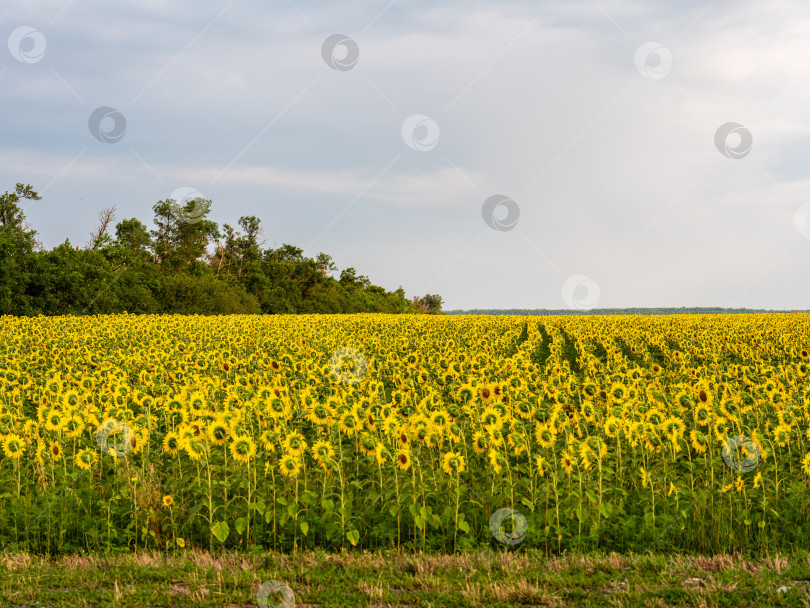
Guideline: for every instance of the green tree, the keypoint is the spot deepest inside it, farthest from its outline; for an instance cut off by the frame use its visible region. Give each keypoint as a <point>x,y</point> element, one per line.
<point>170,269</point>
<point>133,235</point>
<point>183,233</point>
<point>16,251</point>
<point>10,212</point>
<point>429,304</point>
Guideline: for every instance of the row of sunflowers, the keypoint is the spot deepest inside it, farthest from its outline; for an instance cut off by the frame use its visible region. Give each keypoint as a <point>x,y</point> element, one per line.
<point>586,432</point>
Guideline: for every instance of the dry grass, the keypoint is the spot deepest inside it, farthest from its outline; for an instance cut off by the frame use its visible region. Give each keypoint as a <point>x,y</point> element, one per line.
<point>395,578</point>
<point>15,561</point>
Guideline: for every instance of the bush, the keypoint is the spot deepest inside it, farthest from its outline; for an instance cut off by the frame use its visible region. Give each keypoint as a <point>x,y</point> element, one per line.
<point>184,294</point>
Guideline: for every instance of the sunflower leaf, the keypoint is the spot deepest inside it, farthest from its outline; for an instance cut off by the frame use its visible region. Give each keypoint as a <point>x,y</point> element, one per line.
<point>220,530</point>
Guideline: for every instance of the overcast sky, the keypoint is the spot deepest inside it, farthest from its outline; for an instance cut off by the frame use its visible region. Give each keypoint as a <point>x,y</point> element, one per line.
<point>598,127</point>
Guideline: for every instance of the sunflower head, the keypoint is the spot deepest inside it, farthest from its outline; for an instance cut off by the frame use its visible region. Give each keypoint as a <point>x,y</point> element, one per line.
<point>13,446</point>
<point>453,463</point>
<point>218,432</point>
<point>243,448</point>
<point>322,450</point>
<point>290,465</point>
<point>171,443</point>
<point>194,448</point>
<point>403,459</point>
<point>86,458</point>
<point>294,444</point>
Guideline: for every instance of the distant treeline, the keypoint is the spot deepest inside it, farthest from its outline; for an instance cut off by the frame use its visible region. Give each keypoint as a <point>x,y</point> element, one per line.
<point>615,311</point>
<point>186,264</point>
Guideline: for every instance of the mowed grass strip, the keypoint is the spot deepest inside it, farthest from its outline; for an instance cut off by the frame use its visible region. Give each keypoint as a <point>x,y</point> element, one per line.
<point>489,578</point>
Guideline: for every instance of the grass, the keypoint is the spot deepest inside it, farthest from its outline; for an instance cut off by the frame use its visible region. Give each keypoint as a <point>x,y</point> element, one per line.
<point>487,579</point>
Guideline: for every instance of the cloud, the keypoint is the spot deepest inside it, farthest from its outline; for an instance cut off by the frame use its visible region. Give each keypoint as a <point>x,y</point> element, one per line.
<point>616,175</point>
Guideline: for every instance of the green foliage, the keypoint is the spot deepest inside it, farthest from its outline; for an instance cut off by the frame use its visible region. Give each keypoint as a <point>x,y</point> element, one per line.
<point>186,294</point>
<point>429,304</point>
<point>693,310</point>
<point>10,212</point>
<point>186,264</point>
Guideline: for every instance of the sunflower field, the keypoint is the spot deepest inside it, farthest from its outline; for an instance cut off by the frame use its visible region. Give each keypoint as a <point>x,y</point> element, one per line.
<point>424,432</point>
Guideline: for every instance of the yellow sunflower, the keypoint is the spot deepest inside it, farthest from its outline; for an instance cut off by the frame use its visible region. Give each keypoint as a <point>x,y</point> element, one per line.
<point>453,463</point>
<point>171,443</point>
<point>294,444</point>
<point>86,459</point>
<point>544,435</point>
<point>13,446</point>
<point>194,448</point>
<point>290,465</point>
<point>322,450</point>
<point>806,464</point>
<point>243,448</point>
<point>403,459</point>
<point>218,432</point>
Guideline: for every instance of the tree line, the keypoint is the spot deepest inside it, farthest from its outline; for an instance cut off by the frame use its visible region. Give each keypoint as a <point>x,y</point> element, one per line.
<point>693,310</point>
<point>186,264</point>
